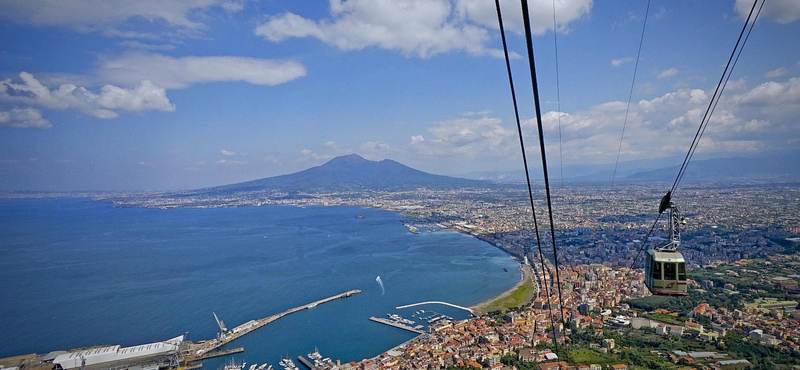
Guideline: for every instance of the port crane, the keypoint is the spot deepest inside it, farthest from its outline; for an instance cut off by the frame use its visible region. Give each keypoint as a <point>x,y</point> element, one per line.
<point>221,325</point>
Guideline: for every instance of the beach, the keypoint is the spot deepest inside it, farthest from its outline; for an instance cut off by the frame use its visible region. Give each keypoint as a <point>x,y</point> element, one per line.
<point>520,295</point>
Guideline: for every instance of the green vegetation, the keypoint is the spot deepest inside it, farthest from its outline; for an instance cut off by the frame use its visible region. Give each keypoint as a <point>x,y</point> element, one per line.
<point>520,297</point>
<point>762,356</point>
<point>586,356</point>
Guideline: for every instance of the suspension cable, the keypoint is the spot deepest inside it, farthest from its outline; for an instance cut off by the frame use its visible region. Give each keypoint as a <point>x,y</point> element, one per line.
<point>529,40</point>
<point>721,89</point>
<point>630,96</point>
<point>525,163</point>
<point>558,96</point>
<point>723,81</point>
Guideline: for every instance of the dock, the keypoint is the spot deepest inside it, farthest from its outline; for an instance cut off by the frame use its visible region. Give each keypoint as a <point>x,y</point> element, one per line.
<point>395,324</point>
<point>217,353</point>
<point>252,325</point>
<point>307,363</point>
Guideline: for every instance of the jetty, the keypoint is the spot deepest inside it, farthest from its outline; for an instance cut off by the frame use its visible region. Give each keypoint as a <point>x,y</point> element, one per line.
<point>227,336</point>
<point>471,311</point>
<point>307,363</point>
<point>396,324</point>
<point>217,354</point>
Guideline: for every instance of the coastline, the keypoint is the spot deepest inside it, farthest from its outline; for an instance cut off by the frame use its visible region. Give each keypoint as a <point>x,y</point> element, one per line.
<point>527,279</point>
<point>495,302</point>
<point>480,308</point>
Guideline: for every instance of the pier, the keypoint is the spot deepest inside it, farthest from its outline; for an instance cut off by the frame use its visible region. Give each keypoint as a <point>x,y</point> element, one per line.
<point>307,363</point>
<point>471,311</point>
<point>217,353</point>
<point>396,324</point>
<point>251,326</point>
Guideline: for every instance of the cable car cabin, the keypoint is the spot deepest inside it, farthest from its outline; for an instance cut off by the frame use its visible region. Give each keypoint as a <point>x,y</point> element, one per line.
<point>665,273</point>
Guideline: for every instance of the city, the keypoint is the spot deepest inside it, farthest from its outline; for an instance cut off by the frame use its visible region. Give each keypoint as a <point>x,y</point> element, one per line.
<point>747,229</point>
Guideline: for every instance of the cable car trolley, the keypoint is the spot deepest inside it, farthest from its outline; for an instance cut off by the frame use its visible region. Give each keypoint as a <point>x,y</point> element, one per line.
<point>665,268</point>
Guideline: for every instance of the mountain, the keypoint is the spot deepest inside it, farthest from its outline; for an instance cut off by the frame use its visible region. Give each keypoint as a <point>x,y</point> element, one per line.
<point>785,166</point>
<point>776,166</point>
<point>352,172</point>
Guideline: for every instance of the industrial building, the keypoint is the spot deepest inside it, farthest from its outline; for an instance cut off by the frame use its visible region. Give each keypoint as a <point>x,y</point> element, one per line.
<point>101,357</point>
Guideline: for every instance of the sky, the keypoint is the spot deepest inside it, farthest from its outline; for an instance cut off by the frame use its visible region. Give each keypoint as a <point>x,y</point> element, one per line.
<point>183,94</point>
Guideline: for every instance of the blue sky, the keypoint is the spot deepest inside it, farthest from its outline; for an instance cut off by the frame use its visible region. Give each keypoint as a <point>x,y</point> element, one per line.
<point>163,94</point>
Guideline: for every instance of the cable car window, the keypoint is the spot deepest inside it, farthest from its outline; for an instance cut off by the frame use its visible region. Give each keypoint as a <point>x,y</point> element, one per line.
<point>657,270</point>
<point>682,271</point>
<point>669,271</point>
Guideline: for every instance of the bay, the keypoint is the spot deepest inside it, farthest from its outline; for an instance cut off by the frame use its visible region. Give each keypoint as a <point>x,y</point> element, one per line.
<point>78,273</point>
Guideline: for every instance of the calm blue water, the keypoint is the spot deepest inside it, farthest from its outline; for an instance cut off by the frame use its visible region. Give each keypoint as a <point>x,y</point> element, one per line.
<point>77,273</point>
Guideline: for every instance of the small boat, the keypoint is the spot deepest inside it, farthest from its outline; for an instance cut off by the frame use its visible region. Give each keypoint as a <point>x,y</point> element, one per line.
<point>288,364</point>
<point>315,355</point>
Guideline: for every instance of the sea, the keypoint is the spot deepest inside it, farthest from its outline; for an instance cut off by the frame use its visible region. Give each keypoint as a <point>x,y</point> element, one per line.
<point>77,272</point>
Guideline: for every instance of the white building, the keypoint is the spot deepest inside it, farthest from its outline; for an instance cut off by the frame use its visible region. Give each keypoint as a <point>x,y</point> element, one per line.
<point>109,354</point>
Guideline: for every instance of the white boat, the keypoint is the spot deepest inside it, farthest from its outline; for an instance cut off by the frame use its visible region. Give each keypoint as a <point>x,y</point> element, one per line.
<point>288,364</point>
<point>315,355</point>
<point>253,367</point>
<point>234,366</point>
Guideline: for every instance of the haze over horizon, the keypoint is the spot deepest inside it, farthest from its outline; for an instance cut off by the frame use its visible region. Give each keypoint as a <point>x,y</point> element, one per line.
<point>190,94</point>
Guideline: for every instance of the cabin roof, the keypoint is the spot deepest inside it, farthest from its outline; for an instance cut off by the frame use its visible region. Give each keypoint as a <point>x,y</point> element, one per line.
<point>667,256</point>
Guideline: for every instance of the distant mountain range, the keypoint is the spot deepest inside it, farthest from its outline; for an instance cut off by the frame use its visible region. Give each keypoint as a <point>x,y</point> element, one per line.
<point>783,166</point>
<point>352,172</point>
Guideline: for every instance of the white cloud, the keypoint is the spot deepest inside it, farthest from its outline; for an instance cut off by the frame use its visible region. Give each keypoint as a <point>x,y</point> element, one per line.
<point>175,73</point>
<point>540,12</point>
<point>668,73</point>
<point>227,153</point>
<point>781,11</point>
<point>329,150</point>
<point>468,137</point>
<point>105,104</point>
<point>413,27</point>
<point>23,118</point>
<point>377,149</point>
<point>135,44</point>
<point>774,99</point>
<point>776,73</point>
<point>760,118</point>
<point>90,15</point>
<point>752,119</point>
<point>774,93</point>
<point>620,61</point>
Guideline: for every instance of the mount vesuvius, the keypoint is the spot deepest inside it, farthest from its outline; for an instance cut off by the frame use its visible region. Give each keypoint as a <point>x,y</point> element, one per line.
<point>351,172</point>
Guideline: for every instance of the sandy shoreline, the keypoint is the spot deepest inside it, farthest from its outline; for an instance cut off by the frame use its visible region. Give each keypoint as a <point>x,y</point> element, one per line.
<point>526,273</point>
